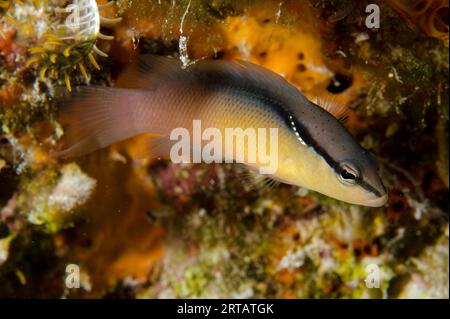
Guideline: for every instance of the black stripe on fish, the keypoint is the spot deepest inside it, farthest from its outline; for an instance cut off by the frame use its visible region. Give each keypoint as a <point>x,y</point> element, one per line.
<point>304,136</point>
<point>268,97</point>
<point>369,188</point>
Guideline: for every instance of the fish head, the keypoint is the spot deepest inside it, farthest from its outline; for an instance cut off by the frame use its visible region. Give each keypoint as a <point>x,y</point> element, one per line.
<point>335,164</point>
<point>356,180</point>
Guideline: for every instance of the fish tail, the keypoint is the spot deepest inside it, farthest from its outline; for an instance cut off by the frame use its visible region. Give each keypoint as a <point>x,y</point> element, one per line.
<point>95,117</point>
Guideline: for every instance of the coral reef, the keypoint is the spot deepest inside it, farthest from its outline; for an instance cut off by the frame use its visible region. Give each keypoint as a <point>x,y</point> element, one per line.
<point>69,36</point>
<point>146,229</point>
<point>58,196</point>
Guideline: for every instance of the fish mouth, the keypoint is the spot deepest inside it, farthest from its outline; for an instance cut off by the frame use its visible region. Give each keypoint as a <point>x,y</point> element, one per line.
<point>377,202</point>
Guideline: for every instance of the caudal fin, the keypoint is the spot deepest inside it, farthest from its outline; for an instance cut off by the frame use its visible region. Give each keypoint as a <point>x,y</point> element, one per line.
<point>95,117</point>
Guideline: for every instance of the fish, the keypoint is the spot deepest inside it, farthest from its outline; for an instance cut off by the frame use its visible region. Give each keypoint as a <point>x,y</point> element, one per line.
<point>157,94</point>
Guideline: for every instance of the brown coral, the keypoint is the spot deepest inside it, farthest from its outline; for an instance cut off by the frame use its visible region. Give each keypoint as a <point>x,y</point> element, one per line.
<point>431,16</point>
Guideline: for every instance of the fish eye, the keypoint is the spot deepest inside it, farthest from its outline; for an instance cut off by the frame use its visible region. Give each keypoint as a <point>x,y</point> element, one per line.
<point>348,173</point>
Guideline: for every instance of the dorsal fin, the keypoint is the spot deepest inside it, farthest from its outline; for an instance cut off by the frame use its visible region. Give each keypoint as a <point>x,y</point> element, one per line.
<point>252,74</point>
<point>338,110</point>
<point>148,71</point>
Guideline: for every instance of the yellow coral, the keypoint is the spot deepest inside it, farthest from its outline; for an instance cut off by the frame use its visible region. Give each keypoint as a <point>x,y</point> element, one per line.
<point>67,43</point>
<point>5,6</point>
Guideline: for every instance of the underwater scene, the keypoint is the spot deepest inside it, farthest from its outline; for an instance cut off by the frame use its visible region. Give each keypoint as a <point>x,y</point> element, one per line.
<point>288,149</point>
